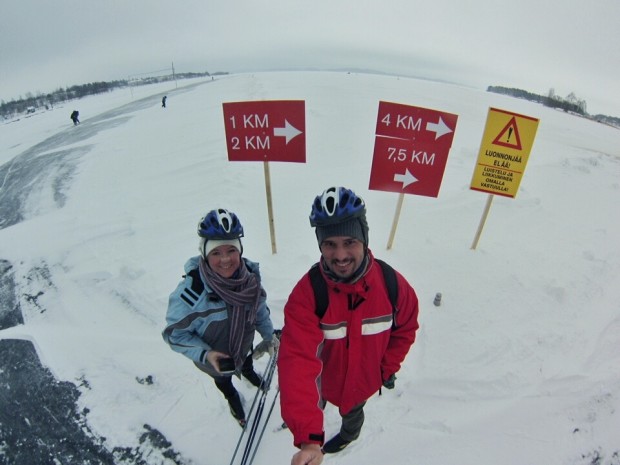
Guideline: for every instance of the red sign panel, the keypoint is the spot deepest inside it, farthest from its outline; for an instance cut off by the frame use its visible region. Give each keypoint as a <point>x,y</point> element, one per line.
<point>411,149</point>
<point>270,130</point>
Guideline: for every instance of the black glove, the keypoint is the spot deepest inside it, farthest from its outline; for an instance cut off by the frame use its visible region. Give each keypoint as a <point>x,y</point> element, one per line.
<point>390,382</point>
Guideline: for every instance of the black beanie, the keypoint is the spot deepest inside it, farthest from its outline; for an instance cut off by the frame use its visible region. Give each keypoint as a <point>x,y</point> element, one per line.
<point>355,227</point>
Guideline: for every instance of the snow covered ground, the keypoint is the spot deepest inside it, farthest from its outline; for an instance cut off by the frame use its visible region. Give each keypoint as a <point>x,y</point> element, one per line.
<point>519,365</point>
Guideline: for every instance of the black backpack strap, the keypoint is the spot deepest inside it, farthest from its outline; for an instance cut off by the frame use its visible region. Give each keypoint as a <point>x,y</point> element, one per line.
<point>197,284</point>
<point>319,286</point>
<point>389,275</point>
<point>190,295</point>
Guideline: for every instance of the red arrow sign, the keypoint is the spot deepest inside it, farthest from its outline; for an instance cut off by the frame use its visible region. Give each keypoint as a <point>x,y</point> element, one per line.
<point>271,130</point>
<point>411,149</point>
<point>416,124</point>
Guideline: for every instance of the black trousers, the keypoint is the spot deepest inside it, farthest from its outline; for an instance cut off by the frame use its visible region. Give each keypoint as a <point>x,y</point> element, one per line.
<point>352,423</point>
<point>224,383</point>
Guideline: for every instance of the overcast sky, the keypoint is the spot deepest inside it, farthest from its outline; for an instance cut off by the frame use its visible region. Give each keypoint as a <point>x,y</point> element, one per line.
<point>570,46</point>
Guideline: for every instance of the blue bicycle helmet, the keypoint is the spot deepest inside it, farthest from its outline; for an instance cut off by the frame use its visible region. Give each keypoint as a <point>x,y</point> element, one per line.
<point>336,205</point>
<point>220,224</point>
<point>338,211</point>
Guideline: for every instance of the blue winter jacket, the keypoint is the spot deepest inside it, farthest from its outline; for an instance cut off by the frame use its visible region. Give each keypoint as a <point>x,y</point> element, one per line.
<point>197,318</point>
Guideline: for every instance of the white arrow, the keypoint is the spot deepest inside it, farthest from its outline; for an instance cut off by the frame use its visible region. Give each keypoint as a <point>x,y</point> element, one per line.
<point>406,178</point>
<point>440,128</point>
<point>289,131</point>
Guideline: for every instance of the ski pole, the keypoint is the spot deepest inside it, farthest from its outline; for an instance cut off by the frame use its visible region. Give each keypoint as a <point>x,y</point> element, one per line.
<point>259,393</point>
<point>258,399</point>
<point>259,412</point>
<point>252,434</point>
<point>260,438</point>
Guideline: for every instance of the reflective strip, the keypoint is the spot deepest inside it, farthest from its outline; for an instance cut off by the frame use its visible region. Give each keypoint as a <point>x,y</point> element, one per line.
<point>376,325</point>
<point>370,326</point>
<point>337,331</point>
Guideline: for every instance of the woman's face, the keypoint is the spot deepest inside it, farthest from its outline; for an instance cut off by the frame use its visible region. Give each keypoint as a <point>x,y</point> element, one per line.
<point>224,260</point>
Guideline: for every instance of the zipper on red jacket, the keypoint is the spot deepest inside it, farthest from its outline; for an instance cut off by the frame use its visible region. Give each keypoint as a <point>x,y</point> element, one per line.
<point>355,300</point>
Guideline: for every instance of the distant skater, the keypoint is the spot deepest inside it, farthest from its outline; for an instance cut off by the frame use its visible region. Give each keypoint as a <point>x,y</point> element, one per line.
<point>163,101</point>
<point>75,117</point>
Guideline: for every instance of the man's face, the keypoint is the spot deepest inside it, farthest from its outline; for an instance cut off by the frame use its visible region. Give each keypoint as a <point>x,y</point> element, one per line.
<point>343,255</point>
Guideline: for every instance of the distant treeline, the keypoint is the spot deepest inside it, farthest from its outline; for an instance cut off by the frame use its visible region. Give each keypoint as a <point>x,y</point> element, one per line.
<point>31,102</point>
<point>570,104</point>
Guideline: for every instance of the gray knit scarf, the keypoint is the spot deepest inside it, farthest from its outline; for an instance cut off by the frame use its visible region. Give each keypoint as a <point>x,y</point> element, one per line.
<point>242,289</point>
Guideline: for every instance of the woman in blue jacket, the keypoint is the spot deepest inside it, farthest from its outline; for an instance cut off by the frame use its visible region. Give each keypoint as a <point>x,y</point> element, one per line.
<point>214,312</point>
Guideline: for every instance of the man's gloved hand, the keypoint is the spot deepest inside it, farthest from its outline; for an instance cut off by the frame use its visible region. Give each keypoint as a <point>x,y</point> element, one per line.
<point>390,382</point>
<point>266,346</point>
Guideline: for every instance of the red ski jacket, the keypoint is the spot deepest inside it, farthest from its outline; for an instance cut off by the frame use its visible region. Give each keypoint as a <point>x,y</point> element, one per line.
<point>344,357</point>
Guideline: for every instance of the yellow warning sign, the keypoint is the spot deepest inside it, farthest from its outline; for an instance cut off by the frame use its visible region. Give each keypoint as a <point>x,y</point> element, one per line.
<point>504,151</point>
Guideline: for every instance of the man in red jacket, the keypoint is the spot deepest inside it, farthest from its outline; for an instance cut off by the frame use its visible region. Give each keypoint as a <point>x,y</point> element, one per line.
<point>356,347</point>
